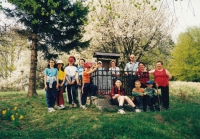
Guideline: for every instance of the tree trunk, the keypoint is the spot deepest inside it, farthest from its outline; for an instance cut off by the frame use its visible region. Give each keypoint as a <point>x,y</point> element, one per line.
<point>33,67</point>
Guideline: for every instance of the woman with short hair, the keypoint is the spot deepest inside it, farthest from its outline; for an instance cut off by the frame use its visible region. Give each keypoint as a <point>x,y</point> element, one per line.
<point>161,79</point>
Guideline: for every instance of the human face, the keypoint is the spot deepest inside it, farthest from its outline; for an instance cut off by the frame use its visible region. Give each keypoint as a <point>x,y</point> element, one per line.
<point>51,63</point>
<point>70,63</point>
<point>141,66</point>
<point>87,69</point>
<point>100,64</point>
<point>59,65</point>
<point>118,83</point>
<point>159,66</point>
<point>81,62</point>
<point>137,85</point>
<point>149,85</point>
<point>113,64</point>
<point>132,57</point>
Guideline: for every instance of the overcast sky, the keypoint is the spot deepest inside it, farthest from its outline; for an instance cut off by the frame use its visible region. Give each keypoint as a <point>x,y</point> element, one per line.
<point>188,14</point>
<point>186,11</point>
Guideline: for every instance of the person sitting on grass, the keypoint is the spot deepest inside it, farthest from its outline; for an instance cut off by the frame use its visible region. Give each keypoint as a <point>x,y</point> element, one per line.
<point>119,97</point>
<point>150,96</point>
<point>138,96</point>
<point>87,85</point>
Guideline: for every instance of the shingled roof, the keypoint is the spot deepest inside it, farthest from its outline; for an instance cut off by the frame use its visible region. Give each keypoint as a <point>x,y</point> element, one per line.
<point>106,55</point>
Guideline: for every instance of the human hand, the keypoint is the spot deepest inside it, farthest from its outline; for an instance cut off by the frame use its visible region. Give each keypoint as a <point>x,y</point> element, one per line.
<point>57,86</point>
<point>46,87</point>
<point>61,84</point>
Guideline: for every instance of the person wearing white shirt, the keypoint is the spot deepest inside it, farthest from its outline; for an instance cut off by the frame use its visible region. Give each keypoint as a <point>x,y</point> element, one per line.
<point>70,72</point>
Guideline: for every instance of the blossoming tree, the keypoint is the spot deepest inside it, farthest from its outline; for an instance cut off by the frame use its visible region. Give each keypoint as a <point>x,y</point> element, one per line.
<point>129,26</point>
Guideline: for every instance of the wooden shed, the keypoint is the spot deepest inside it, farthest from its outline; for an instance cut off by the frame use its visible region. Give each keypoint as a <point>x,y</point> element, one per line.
<point>106,58</point>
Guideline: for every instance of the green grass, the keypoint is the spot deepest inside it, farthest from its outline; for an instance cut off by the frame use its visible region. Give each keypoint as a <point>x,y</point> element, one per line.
<point>181,121</point>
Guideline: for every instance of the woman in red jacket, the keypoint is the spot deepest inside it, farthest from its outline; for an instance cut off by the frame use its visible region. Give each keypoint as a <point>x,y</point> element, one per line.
<point>161,78</point>
<point>119,97</point>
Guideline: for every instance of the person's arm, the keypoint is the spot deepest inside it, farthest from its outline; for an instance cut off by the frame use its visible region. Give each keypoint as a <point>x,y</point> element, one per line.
<point>155,92</point>
<point>93,70</point>
<point>135,94</point>
<point>146,92</point>
<point>73,80</point>
<point>67,79</point>
<point>57,79</point>
<point>76,77</point>
<point>168,74</point>
<point>113,95</point>
<point>45,81</point>
<point>63,79</point>
<point>151,71</point>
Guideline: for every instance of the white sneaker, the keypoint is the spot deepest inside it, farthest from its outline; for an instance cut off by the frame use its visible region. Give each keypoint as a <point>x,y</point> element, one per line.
<point>59,108</point>
<point>85,108</point>
<point>121,111</point>
<point>51,110</point>
<point>137,110</point>
<point>62,106</point>
<point>94,97</point>
<point>75,105</point>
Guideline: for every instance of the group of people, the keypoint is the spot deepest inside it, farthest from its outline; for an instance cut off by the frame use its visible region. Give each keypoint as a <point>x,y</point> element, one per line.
<point>72,77</point>
<point>143,89</point>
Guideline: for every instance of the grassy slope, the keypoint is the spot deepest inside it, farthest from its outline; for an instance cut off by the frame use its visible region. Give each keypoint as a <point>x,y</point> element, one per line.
<point>181,121</point>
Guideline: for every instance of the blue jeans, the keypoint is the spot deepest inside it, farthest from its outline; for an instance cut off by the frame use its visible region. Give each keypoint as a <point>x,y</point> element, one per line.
<point>51,95</point>
<point>88,87</point>
<point>71,91</point>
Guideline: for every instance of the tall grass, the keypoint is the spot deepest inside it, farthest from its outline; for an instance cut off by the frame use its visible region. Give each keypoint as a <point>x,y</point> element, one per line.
<point>180,121</point>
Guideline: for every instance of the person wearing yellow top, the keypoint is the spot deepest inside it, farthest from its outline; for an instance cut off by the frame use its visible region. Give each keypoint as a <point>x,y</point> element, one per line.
<point>61,81</point>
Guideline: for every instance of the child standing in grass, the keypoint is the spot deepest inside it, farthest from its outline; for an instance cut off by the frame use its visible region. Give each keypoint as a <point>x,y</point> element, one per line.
<point>79,73</point>
<point>87,85</point>
<point>138,94</point>
<point>70,72</point>
<point>51,84</point>
<point>61,81</point>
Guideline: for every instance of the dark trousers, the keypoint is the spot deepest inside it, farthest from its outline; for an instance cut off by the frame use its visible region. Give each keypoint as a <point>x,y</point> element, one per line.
<point>88,87</point>
<point>150,101</point>
<point>51,95</point>
<point>138,101</point>
<point>71,91</point>
<point>165,96</point>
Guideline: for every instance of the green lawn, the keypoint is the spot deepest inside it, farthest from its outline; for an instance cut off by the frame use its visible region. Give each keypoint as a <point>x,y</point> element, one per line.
<point>181,121</point>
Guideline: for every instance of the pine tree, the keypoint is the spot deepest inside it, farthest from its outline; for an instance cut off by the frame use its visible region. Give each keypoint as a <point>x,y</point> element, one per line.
<point>50,25</point>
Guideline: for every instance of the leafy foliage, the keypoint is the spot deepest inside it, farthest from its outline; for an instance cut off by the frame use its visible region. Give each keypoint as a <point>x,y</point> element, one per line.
<point>57,23</point>
<point>50,25</point>
<point>185,62</point>
<point>11,45</point>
